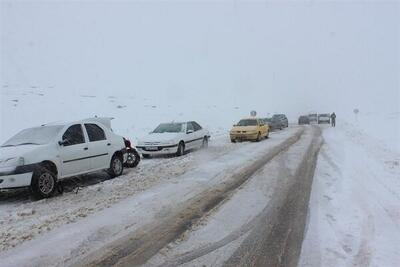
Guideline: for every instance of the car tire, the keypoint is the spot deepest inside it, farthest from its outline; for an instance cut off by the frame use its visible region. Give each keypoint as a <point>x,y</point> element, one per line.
<point>181,149</point>
<point>133,158</point>
<point>205,142</point>
<point>44,183</point>
<point>267,136</point>
<point>258,137</point>
<point>233,141</point>
<point>116,166</point>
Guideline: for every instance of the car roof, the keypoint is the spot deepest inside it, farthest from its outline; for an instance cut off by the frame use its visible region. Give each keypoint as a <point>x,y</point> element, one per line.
<point>106,121</point>
<point>174,122</point>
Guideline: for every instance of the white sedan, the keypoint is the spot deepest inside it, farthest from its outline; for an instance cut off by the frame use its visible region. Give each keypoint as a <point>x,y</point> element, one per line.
<point>39,157</point>
<point>174,138</point>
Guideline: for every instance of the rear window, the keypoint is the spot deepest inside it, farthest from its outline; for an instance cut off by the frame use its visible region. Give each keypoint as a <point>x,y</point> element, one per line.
<point>94,132</point>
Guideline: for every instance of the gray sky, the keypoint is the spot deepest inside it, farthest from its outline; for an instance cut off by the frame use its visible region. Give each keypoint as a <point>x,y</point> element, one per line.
<point>288,57</point>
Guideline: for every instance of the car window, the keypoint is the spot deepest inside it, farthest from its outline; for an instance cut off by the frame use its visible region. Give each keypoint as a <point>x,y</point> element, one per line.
<point>38,135</point>
<point>247,122</point>
<point>169,128</point>
<point>196,126</point>
<point>94,132</point>
<point>189,127</point>
<point>74,135</point>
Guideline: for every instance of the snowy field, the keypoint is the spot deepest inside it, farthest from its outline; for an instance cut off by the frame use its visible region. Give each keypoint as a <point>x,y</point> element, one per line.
<point>23,107</point>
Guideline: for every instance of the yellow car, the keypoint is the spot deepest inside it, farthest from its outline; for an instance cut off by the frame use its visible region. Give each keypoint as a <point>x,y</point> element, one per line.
<point>251,129</point>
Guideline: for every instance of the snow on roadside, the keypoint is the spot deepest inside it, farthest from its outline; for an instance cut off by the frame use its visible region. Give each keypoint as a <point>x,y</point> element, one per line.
<point>72,240</point>
<point>22,220</point>
<point>354,206</point>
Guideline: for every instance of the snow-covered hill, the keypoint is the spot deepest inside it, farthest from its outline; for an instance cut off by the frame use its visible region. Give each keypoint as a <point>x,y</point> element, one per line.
<point>134,116</point>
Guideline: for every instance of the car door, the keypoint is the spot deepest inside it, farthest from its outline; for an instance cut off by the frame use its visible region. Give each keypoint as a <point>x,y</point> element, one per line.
<point>74,151</point>
<point>98,146</point>
<point>190,136</point>
<point>199,133</point>
<point>262,127</point>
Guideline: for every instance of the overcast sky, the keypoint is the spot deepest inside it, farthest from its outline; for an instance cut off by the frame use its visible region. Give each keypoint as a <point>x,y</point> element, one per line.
<point>290,57</point>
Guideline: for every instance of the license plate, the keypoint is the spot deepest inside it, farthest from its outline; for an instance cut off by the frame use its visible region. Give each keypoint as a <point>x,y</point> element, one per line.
<point>152,148</point>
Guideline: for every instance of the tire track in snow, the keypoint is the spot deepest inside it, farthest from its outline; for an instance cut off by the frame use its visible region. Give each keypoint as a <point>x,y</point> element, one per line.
<point>137,248</point>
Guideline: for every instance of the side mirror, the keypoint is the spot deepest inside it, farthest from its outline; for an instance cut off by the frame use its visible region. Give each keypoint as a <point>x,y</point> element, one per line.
<point>63,142</point>
<point>189,131</point>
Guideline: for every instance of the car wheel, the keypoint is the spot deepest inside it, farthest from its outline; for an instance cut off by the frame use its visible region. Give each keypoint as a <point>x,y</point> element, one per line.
<point>267,136</point>
<point>181,149</point>
<point>43,183</point>
<point>133,158</point>
<point>116,166</point>
<point>258,137</point>
<point>233,141</point>
<point>205,142</point>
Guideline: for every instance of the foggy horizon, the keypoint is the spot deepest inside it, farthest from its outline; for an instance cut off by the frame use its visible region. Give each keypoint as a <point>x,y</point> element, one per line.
<point>272,57</point>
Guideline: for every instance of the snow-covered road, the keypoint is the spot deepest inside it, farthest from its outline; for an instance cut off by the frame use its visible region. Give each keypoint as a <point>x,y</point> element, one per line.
<point>355,203</point>
<point>231,205</point>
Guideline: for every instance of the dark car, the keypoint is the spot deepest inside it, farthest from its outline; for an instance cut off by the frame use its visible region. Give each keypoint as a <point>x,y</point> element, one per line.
<point>273,124</point>
<point>313,118</point>
<point>304,120</point>
<point>282,119</point>
<point>324,118</point>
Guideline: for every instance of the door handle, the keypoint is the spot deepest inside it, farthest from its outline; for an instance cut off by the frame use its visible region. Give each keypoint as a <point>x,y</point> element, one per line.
<point>109,144</point>
<point>85,148</point>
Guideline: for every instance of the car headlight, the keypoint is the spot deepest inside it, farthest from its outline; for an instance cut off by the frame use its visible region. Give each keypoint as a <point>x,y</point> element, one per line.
<point>12,162</point>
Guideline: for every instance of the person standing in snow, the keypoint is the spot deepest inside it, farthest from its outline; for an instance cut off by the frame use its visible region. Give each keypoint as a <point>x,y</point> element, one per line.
<point>333,119</point>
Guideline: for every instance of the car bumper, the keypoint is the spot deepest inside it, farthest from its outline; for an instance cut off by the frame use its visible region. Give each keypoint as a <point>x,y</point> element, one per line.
<point>242,136</point>
<point>15,180</point>
<point>161,150</point>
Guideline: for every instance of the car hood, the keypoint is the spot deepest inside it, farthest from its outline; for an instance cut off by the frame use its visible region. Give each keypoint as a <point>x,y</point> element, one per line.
<point>16,151</point>
<point>160,137</point>
<point>244,128</point>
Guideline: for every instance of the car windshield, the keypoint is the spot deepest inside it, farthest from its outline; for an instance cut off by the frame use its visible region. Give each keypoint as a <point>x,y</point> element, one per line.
<point>169,128</point>
<point>248,122</point>
<point>34,136</point>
